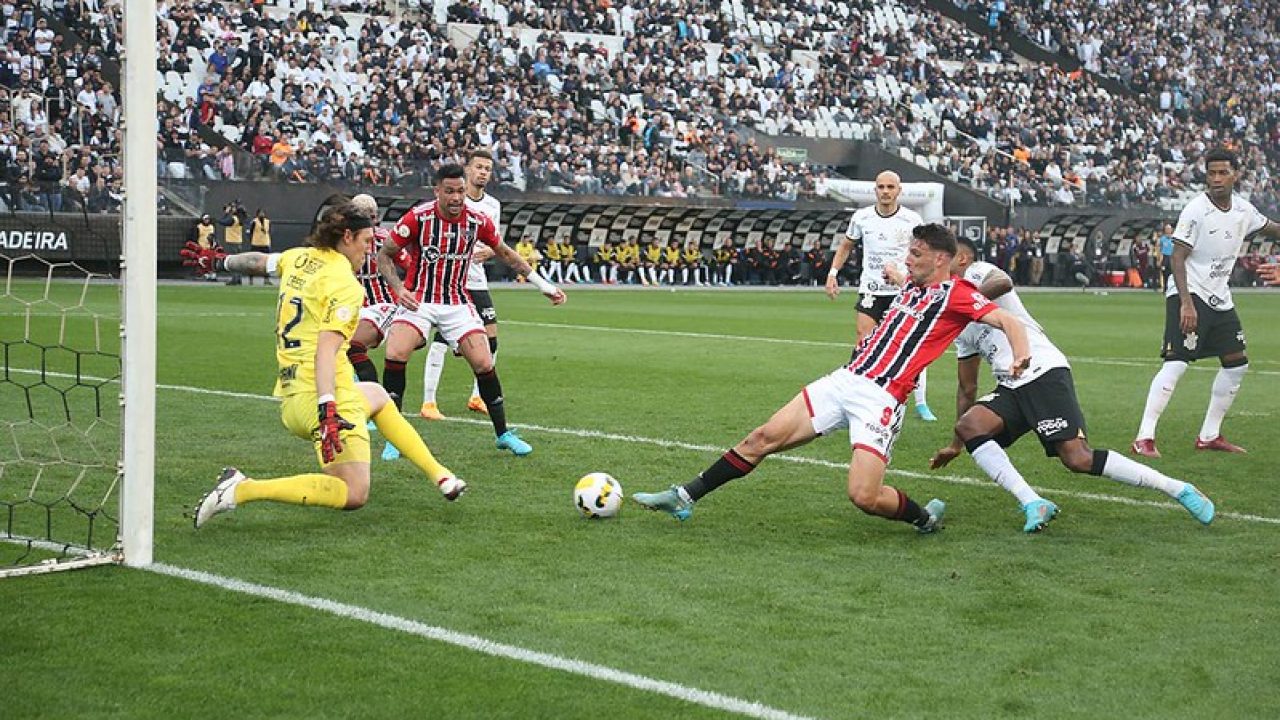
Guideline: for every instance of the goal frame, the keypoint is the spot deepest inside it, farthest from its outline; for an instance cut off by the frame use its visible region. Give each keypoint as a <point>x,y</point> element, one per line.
<point>138,286</point>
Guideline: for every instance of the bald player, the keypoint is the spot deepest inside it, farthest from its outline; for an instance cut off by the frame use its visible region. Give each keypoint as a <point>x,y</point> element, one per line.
<point>884,229</point>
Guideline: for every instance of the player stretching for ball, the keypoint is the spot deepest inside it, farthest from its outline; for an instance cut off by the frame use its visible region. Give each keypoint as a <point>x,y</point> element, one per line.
<point>1200,317</point>
<point>478,170</point>
<point>884,229</point>
<point>317,312</point>
<point>1042,400</point>
<point>866,395</point>
<point>440,236</point>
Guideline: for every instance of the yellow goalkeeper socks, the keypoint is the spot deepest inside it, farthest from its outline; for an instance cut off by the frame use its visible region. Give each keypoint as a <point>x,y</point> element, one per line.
<point>311,489</point>
<point>400,433</point>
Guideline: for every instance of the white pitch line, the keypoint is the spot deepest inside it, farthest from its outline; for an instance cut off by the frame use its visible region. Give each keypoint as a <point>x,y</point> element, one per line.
<point>1124,362</point>
<point>661,442</point>
<point>1116,361</point>
<point>478,644</point>
<point>954,479</point>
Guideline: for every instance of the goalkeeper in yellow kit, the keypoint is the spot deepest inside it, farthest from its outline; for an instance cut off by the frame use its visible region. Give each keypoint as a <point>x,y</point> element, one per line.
<point>316,313</point>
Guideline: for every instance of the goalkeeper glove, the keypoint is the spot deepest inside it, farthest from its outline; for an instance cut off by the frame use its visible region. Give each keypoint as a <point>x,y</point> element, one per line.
<point>331,424</point>
<point>203,260</point>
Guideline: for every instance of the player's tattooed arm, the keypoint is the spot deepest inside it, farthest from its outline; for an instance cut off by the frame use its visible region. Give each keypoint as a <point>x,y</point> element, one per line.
<point>511,258</point>
<point>996,283</point>
<point>250,263</point>
<point>1014,330</point>
<point>387,255</point>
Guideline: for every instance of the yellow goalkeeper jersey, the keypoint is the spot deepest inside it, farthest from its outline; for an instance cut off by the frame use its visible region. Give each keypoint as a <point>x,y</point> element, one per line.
<point>318,291</point>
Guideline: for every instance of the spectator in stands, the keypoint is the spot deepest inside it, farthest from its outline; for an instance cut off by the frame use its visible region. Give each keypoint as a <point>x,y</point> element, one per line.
<point>1037,257</point>
<point>48,178</point>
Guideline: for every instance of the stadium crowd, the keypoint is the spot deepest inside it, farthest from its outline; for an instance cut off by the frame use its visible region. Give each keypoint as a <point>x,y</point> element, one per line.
<point>60,139</point>
<point>309,97</point>
<point>1199,63</point>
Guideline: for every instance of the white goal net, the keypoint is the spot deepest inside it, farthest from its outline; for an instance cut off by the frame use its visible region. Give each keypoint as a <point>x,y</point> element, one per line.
<point>59,416</point>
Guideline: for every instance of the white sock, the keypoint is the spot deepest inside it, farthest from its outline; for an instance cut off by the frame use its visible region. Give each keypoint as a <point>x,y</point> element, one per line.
<point>922,386</point>
<point>995,463</point>
<point>604,274</point>
<point>613,274</point>
<point>431,370</point>
<point>1162,386</point>
<point>684,276</point>
<point>1122,469</point>
<point>475,384</point>
<point>1225,387</point>
<point>728,274</point>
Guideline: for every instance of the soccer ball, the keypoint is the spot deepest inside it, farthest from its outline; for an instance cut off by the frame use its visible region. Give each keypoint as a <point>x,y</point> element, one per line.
<point>598,495</point>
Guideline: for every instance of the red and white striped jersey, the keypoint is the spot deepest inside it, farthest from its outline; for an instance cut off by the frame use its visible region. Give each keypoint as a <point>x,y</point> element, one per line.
<point>441,251</point>
<point>917,328</point>
<point>376,291</point>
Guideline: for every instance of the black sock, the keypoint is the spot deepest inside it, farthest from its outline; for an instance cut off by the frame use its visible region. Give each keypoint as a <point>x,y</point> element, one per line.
<point>730,466</point>
<point>493,345</point>
<point>491,393</point>
<point>393,380</point>
<point>909,511</point>
<point>1099,462</point>
<point>358,354</point>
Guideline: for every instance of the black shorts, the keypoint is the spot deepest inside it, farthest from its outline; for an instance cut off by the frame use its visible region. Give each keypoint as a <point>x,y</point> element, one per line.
<point>875,306</point>
<point>484,305</point>
<point>1047,405</point>
<point>1218,332</point>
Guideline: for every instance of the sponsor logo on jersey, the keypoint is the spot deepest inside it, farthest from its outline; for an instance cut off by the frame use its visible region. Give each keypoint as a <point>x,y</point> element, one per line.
<point>1050,426</point>
<point>880,432</point>
<point>402,230</point>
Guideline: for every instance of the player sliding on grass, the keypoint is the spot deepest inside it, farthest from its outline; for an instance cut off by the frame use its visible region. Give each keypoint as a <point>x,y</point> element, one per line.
<point>1042,399</point>
<point>867,394</point>
<point>316,314</point>
<point>884,229</point>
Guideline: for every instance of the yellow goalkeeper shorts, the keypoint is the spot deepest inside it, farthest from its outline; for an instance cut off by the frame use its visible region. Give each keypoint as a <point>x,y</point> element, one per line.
<point>300,416</point>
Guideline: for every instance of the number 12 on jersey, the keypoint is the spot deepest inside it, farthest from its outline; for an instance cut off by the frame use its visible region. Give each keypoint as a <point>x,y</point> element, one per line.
<point>284,327</point>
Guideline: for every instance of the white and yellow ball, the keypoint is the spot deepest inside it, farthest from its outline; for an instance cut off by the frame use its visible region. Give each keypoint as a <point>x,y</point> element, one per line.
<point>598,495</point>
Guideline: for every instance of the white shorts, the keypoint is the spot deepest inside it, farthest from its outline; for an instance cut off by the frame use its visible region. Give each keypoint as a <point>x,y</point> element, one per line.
<point>379,316</point>
<point>454,322</point>
<point>845,399</point>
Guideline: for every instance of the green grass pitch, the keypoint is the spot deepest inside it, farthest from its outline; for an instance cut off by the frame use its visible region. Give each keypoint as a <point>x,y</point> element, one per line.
<point>778,591</point>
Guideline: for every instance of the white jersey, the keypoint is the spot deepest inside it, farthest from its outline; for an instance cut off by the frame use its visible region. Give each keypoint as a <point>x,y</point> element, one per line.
<point>488,206</point>
<point>884,241</point>
<point>991,344</point>
<point>1214,237</point>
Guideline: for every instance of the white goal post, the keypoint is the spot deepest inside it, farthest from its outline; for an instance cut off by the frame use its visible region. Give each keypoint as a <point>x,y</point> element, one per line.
<point>138,283</point>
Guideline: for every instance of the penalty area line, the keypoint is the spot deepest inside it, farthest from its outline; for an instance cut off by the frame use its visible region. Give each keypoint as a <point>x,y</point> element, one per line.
<point>478,644</point>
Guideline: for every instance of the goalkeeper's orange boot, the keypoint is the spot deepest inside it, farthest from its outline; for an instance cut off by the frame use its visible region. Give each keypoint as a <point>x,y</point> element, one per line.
<point>430,411</point>
<point>476,404</point>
